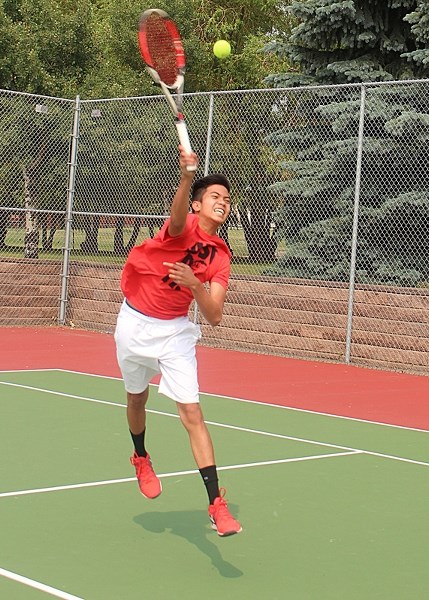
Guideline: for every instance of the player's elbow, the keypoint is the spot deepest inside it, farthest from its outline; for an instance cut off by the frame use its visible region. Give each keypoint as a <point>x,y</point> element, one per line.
<point>215,320</point>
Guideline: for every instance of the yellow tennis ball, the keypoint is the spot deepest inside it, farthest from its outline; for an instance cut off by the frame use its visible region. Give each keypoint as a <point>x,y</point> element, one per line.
<point>222,49</point>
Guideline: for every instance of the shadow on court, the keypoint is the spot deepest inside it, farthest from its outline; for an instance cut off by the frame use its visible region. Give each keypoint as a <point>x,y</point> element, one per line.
<point>191,526</point>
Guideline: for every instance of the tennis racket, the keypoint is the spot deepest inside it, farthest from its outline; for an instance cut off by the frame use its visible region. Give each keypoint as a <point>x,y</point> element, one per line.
<point>162,51</point>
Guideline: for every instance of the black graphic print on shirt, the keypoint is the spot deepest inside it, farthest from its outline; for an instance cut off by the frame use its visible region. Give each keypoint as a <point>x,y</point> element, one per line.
<point>198,254</point>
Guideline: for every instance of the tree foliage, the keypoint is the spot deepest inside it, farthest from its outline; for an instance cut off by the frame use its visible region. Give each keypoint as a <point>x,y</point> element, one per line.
<point>337,43</point>
<point>351,40</point>
<point>47,47</point>
<point>89,47</point>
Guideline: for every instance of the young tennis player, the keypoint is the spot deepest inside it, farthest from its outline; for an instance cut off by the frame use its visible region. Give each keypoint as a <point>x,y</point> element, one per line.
<point>160,279</point>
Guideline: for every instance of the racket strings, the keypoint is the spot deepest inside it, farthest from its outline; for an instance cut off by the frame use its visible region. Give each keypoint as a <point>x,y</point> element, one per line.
<point>162,49</point>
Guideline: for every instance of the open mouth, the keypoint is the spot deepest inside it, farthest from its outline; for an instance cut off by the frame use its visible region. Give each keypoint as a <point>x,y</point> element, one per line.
<point>219,211</point>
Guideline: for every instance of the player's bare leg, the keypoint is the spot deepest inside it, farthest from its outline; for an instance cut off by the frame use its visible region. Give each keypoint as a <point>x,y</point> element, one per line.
<point>201,443</point>
<point>202,448</point>
<point>136,411</point>
<point>150,485</point>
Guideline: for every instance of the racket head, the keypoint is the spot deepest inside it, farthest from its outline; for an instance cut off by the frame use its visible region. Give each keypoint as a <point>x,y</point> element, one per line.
<point>161,48</point>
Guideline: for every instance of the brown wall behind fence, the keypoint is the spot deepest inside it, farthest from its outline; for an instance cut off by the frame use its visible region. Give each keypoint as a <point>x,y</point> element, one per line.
<point>29,292</point>
<point>288,317</point>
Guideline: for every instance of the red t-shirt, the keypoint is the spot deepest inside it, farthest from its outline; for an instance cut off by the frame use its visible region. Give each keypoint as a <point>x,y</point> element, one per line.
<point>145,282</point>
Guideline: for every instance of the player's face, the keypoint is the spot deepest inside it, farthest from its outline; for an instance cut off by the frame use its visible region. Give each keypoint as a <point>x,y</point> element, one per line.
<point>214,206</point>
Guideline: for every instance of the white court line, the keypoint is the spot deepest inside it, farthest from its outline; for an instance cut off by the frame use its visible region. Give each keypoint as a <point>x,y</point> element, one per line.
<point>247,401</point>
<point>262,403</point>
<point>76,486</point>
<point>38,586</point>
<point>234,427</point>
<point>54,393</point>
<point>166,414</point>
<point>214,423</point>
<point>36,370</point>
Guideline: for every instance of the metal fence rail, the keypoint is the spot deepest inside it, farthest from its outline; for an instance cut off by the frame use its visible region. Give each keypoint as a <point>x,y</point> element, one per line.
<point>329,229</point>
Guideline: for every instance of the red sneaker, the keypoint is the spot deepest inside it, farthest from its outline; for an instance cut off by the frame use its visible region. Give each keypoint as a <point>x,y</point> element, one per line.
<point>222,520</point>
<point>150,485</point>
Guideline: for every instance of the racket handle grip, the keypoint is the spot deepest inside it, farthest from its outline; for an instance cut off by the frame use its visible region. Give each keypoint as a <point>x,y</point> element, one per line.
<point>182,132</point>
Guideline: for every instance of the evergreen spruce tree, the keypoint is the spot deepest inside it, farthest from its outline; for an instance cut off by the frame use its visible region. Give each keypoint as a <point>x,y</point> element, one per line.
<point>353,42</point>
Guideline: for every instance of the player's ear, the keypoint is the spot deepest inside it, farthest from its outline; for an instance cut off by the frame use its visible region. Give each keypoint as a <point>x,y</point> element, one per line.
<point>196,206</point>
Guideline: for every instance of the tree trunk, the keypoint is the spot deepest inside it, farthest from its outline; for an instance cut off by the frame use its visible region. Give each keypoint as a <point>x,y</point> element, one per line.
<point>255,219</point>
<point>31,175</point>
<point>134,235</point>
<point>31,239</point>
<point>223,234</point>
<point>4,219</point>
<point>43,229</point>
<point>52,223</point>
<point>263,247</point>
<point>118,238</point>
<point>119,245</point>
<point>91,225</point>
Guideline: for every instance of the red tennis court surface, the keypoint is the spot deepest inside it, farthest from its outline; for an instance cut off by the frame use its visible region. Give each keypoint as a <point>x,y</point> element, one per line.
<point>381,396</point>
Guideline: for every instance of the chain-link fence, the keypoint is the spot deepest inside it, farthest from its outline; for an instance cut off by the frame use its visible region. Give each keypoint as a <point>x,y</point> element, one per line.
<point>329,227</point>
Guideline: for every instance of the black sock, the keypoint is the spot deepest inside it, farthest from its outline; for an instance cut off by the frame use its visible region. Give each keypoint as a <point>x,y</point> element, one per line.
<point>138,441</point>
<point>209,475</point>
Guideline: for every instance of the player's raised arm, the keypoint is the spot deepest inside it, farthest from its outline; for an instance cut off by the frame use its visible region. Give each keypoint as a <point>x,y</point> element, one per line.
<point>180,204</point>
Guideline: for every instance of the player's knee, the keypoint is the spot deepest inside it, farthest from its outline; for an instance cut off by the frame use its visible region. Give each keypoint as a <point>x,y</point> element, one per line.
<point>191,415</point>
<point>137,401</point>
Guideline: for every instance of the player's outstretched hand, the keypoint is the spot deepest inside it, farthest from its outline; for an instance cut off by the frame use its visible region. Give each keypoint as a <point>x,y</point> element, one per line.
<point>186,160</point>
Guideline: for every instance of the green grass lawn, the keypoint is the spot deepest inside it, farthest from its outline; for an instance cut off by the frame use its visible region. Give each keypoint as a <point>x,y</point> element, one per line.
<point>105,254</point>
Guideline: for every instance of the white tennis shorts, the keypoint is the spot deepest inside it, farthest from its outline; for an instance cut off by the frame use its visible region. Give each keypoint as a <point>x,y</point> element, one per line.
<point>146,346</point>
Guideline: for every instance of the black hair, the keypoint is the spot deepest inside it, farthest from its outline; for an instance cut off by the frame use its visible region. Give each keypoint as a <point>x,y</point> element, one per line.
<point>200,185</point>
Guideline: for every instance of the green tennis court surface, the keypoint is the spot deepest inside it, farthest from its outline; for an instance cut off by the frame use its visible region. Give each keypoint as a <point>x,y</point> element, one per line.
<point>331,508</point>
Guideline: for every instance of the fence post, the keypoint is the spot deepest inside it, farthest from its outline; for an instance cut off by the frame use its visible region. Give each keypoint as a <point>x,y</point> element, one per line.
<point>209,135</point>
<point>355,226</point>
<point>207,164</point>
<point>69,213</point>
